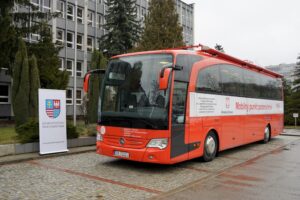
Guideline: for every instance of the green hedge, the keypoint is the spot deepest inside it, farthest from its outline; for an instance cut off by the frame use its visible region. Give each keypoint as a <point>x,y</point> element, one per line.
<point>29,132</point>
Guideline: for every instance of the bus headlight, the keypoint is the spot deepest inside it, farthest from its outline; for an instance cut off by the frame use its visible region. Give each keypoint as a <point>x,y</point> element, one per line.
<point>158,143</point>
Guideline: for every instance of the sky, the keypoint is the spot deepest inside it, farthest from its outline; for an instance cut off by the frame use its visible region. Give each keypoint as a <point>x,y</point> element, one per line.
<point>266,32</point>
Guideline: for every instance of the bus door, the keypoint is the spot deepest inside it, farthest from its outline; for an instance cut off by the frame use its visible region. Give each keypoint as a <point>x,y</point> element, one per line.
<point>180,145</point>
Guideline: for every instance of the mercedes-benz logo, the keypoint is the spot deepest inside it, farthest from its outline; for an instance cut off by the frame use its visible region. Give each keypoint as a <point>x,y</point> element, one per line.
<point>122,141</point>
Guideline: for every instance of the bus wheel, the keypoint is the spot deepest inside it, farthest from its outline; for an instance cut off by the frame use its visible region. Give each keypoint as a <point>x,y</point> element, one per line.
<point>267,135</point>
<point>210,147</point>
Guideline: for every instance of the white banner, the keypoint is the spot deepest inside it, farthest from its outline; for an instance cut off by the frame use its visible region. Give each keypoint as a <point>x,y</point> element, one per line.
<point>202,105</point>
<point>52,121</point>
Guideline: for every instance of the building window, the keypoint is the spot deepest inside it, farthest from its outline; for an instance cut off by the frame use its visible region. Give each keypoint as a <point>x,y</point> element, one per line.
<point>69,97</point>
<point>70,39</point>
<point>69,67</point>
<point>78,97</point>
<point>89,66</point>
<point>79,42</point>
<point>59,36</point>
<point>4,94</point>
<point>62,63</point>
<point>90,18</point>
<point>98,44</point>
<point>90,43</point>
<point>35,2</point>
<point>47,6</point>
<point>80,15</point>
<point>61,8</point>
<point>79,69</point>
<point>35,37</point>
<point>70,12</point>
<point>100,21</point>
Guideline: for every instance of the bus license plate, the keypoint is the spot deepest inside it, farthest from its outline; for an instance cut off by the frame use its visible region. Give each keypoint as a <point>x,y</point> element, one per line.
<point>121,154</point>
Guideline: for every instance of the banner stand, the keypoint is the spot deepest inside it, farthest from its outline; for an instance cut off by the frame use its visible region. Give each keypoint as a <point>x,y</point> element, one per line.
<point>52,121</point>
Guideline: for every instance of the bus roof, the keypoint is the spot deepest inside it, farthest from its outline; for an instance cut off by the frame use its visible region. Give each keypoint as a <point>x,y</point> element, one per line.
<point>209,53</point>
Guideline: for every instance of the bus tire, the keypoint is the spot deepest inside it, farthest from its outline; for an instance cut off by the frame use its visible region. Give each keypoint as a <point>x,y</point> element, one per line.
<point>210,147</point>
<point>267,135</point>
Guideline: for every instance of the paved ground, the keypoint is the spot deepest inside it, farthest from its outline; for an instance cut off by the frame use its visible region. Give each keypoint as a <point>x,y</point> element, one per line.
<point>274,176</point>
<point>90,176</point>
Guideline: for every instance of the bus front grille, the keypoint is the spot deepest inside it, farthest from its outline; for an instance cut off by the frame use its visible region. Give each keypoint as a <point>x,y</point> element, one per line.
<point>127,142</point>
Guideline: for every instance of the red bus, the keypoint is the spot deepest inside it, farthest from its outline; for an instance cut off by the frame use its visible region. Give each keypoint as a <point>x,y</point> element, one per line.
<point>169,106</point>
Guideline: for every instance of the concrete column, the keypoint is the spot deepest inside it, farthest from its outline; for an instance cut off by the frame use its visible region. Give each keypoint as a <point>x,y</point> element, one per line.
<point>53,9</point>
<point>75,67</point>
<point>85,35</point>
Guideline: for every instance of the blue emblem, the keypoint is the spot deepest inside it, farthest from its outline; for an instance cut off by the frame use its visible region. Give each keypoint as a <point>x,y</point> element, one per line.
<point>52,108</point>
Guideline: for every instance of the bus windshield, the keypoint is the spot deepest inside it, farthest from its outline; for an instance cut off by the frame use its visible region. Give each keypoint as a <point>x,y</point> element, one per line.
<point>130,94</point>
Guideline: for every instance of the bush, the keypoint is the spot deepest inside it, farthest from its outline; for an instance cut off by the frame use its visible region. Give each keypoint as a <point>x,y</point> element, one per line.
<point>29,132</point>
<point>72,131</point>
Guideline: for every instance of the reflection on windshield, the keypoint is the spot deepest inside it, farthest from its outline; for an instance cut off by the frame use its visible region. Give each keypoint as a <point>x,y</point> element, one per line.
<point>131,95</point>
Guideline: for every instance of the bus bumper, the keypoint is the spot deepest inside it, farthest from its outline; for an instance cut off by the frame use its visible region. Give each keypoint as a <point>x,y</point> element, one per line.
<point>150,155</point>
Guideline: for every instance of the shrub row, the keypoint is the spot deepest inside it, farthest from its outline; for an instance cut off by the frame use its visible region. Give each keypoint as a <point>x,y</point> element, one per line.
<point>29,132</point>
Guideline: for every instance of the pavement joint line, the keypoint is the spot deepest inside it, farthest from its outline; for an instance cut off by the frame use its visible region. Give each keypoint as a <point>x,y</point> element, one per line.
<point>218,173</point>
<point>42,157</point>
<point>284,134</point>
<point>233,158</point>
<point>197,169</point>
<point>241,177</point>
<point>97,178</point>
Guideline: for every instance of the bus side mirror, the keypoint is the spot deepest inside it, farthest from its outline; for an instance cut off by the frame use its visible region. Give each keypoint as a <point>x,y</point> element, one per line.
<point>86,81</point>
<point>164,78</point>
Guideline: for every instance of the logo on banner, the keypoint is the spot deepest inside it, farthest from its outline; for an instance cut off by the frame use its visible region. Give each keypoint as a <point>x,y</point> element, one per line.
<point>52,108</point>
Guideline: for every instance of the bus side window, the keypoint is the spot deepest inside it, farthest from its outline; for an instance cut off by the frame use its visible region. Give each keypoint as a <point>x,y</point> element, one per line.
<point>252,84</point>
<point>232,80</point>
<point>179,102</point>
<point>208,80</point>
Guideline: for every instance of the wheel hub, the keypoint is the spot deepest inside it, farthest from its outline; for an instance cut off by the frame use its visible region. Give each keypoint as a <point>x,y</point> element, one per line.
<point>210,145</point>
<point>267,134</point>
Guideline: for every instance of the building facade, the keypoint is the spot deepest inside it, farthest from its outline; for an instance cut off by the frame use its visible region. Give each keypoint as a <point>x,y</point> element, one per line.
<point>287,70</point>
<point>79,28</point>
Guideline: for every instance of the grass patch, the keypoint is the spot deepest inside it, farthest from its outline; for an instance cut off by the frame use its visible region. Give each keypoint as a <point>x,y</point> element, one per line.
<point>8,134</point>
<point>292,127</point>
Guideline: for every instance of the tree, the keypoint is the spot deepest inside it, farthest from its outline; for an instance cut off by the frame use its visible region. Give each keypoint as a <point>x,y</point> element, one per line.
<point>219,48</point>
<point>288,119</point>
<point>48,61</point>
<point>98,62</point>
<point>162,28</point>
<point>16,25</point>
<point>7,35</point>
<point>122,27</point>
<point>21,85</point>
<point>297,75</point>
<point>292,98</point>
<point>34,86</point>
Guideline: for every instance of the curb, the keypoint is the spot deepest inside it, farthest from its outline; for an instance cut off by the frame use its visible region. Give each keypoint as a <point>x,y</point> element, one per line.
<point>12,159</point>
<point>18,148</point>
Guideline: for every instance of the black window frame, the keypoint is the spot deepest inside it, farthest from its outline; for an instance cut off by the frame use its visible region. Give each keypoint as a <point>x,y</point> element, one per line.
<point>260,92</point>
